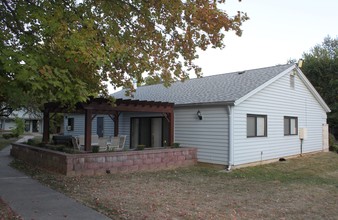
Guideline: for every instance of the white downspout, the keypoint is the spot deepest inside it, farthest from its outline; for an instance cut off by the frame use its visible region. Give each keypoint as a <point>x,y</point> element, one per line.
<point>231,137</point>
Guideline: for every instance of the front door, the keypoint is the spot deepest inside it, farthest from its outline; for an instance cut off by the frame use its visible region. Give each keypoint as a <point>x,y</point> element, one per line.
<point>100,126</point>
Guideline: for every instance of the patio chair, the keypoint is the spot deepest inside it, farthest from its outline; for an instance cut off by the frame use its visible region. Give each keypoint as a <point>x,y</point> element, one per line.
<point>114,143</point>
<point>75,143</point>
<point>122,141</point>
<point>94,142</point>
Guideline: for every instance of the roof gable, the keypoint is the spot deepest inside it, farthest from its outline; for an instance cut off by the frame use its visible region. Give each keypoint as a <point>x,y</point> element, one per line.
<point>287,71</point>
<point>223,88</point>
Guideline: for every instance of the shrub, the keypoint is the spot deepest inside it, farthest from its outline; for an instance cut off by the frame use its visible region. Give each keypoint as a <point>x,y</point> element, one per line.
<point>31,142</point>
<point>20,127</point>
<point>332,146</point>
<point>176,145</point>
<point>7,136</point>
<point>140,147</point>
<point>95,149</point>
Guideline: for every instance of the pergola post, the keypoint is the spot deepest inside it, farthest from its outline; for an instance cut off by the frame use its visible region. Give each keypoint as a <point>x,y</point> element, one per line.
<point>171,128</point>
<point>88,130</point>
<point>116,124</point>
<point>45,137</point>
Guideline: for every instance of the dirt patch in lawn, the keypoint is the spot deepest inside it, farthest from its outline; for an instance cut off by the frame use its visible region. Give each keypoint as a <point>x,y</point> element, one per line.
<point>301,188</point>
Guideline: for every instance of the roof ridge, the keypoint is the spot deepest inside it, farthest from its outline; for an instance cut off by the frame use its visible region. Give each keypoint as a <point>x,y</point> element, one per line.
<point>227,87</point>
<point>233,72</point>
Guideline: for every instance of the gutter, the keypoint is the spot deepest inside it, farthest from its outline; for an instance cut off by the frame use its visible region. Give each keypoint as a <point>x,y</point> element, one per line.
<point>228,103</point>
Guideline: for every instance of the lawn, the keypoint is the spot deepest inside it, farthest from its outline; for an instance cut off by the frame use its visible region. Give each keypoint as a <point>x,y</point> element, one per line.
<point>300,188</point>
<point>5,142</point>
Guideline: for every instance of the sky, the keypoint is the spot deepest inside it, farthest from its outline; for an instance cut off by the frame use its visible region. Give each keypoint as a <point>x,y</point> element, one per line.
<point>276,32</point>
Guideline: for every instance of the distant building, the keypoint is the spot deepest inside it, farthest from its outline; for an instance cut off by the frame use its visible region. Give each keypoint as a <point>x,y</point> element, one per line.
<point>33,121</point>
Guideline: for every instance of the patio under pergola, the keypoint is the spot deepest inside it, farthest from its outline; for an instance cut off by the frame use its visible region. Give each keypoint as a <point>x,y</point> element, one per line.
<point>95,106</point>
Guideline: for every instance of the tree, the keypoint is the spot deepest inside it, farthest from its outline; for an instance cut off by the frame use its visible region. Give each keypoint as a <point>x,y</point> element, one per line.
<point>65,51</point>
<point>321,68</point>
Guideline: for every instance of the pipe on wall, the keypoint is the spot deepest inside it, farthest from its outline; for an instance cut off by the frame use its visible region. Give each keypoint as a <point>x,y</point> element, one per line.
<point>231,137</point>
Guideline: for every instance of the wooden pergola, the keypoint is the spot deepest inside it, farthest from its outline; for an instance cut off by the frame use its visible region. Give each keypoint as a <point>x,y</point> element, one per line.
<point>104,106</point>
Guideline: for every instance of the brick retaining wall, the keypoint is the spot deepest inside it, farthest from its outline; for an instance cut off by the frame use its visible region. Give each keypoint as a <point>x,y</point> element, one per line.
<point>105,162</point>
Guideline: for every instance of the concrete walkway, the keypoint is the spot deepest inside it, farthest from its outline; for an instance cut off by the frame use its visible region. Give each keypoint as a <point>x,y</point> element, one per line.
<point>32,200</point>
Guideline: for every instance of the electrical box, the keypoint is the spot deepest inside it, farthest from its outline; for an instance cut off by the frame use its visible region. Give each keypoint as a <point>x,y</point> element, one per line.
<point>302,133</point>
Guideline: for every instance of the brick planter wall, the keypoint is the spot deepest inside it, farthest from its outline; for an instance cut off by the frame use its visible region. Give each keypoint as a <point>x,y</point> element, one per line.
<point>105,162</point>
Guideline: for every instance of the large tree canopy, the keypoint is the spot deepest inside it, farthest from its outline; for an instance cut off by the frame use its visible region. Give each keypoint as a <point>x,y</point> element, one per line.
<point>321,68</point>
<point>63,50</point>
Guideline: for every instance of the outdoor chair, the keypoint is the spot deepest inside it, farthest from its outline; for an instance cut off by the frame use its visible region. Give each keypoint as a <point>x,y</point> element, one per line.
<point>75,143</point>
<point>113,144</point>
<point>122,141</point>
<point>94,137</point>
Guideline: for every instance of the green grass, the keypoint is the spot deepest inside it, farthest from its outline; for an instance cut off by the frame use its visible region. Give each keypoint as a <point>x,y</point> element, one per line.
<point>5,142</point>
<point>302,170</point>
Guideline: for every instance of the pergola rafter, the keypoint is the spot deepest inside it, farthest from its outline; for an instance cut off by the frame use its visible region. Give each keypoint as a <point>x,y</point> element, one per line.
<point>104,106</point>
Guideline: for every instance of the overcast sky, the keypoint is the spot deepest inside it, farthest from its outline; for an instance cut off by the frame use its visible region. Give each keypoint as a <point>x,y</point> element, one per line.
<point>276,32</point>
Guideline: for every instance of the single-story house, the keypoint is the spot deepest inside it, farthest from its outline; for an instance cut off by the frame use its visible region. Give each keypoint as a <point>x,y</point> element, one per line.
<point>33,121</point>
<point>232,119</point>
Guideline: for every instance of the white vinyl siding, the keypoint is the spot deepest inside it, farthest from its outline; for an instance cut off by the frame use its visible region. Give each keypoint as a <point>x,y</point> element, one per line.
<point>276,101</point>
<point>79,125</point>
<point>209,135</point>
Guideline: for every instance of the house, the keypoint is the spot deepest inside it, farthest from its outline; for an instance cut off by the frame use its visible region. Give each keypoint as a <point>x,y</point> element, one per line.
<point>33,121</point>
<point>233,119</point>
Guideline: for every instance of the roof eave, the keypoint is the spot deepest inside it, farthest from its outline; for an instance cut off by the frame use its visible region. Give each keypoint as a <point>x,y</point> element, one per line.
<point>205,104</point>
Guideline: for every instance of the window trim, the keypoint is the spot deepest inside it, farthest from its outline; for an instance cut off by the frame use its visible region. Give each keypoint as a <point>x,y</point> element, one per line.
<point>289,129</point>
<point>265,125</point>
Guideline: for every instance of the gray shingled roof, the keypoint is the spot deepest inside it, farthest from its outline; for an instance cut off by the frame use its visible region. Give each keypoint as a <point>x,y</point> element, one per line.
<point>226,87</point>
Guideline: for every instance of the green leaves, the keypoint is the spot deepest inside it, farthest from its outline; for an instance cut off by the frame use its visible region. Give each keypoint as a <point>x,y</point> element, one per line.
<point>321,67</point>
<point>64,50</point>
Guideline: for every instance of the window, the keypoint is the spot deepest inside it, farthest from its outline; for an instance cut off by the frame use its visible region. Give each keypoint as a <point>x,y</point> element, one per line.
<point>70,126</point>
<point>290,125</point>
<point>256,125</point>
<point>149,131</point>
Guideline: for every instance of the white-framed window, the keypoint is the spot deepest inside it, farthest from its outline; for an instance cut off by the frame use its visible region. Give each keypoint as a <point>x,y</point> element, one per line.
<point>290,125</point>
<point>256,125</point>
